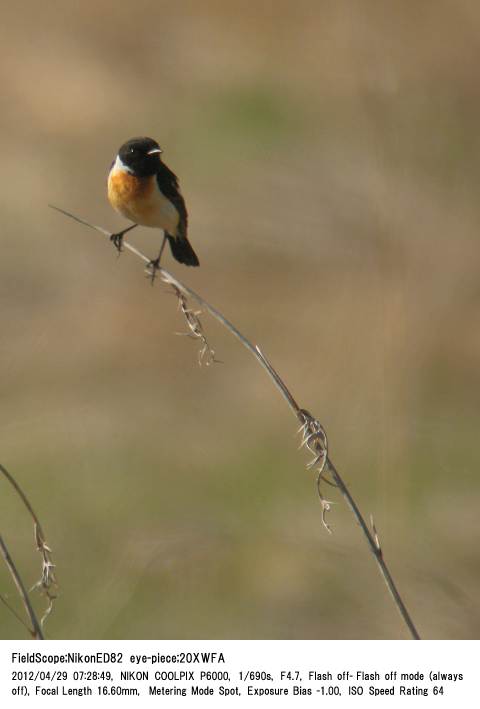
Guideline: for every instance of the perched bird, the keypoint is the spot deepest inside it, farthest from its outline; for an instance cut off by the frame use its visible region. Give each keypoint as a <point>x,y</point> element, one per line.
<point>143,189</point>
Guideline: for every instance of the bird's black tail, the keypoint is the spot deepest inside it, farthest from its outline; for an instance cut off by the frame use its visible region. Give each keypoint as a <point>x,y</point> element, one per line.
<point>182,251</point>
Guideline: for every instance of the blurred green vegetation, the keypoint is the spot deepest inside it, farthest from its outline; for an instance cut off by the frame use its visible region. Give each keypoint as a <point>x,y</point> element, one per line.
<point>329,156</point>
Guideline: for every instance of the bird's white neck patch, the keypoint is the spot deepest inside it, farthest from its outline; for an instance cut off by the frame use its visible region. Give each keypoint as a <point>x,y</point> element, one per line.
<point>119,165</point>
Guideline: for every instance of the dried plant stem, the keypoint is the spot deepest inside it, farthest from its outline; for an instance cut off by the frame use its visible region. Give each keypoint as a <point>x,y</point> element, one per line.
<point>376,550</point>
<point>313,434</point>
<point>35,630</point>
<point>47,581</point>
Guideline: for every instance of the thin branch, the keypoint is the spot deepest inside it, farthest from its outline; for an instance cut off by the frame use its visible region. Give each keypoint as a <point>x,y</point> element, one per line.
<point>313,434</point>
<point>376,551</point>
<point>14,612</point>
<point>36,630</point>
<point>47,581</point>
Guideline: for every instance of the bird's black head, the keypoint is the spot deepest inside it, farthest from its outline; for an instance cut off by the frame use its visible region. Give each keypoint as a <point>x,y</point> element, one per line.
<point>141,156</point>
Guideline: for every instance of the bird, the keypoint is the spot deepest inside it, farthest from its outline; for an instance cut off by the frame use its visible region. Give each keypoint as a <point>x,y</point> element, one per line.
<point>145,191</point>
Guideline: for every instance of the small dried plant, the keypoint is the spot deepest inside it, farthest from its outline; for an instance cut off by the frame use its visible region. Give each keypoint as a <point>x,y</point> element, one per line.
<point>206,353</point>
<point>47,582</point>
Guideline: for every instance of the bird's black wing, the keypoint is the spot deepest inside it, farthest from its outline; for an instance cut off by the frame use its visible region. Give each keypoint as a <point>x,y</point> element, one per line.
<point>168,184</point>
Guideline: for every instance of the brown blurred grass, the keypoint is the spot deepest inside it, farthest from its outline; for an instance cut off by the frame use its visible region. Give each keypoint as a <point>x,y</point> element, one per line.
<point>328,153</point>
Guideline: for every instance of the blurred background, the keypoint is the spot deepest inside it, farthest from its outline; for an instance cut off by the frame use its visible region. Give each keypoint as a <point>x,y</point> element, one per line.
<point>329,156</point>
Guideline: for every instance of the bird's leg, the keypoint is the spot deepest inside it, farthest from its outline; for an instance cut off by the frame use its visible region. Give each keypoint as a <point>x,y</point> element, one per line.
<point>154,265</point>
<point>117,238</point>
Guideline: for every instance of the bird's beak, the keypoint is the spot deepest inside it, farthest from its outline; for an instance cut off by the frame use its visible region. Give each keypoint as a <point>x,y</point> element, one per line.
<point>155,151</point>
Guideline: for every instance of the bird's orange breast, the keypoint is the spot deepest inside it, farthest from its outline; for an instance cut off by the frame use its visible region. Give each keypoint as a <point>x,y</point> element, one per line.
<point>140,200</point>
<point>125,191</point>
